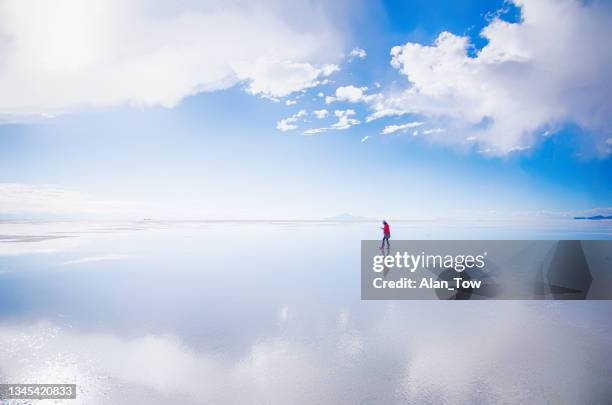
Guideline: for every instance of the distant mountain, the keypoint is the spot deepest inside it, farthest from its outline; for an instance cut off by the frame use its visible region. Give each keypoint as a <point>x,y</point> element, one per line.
<point>348,218</point>
<point>595,218</point>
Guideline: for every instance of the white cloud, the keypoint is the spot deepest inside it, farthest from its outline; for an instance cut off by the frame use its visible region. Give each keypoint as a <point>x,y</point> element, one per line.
<point>352,94</point>
<point>328,69</point>
<point>365,138</point>
<point>289,123</point>
<point>550,68</point>
<point>279,79</point>
<point>548,132</point>
<point>291,102</point>
<point>58,57</point>
<point>344,119</point>
<point>518,148</point>
<point>382,111</point>
<point>433,131</point>
<point>320,114</point>
<point>389,129</point>
<point>357,53</point>
<point>19,198</point>
<point>312,131</point>
<point>284,125</point>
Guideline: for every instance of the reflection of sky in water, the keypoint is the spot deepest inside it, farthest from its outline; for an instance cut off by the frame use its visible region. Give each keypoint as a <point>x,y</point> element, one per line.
<point>270,313</point>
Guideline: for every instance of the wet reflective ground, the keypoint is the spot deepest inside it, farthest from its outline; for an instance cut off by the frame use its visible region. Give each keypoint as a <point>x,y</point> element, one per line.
<point>270,313</point>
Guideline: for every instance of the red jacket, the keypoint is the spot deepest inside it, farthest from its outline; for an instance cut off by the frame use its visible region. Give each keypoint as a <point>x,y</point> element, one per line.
<point>386,229</point>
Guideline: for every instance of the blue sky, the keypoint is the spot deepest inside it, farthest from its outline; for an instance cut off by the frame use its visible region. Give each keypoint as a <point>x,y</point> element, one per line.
<point>189,122</point>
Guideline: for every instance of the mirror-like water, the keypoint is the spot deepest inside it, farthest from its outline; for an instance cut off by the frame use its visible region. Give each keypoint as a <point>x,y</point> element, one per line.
<point>255,312</point>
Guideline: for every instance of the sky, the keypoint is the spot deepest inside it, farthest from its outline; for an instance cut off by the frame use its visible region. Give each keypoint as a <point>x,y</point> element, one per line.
<point>305,110</point>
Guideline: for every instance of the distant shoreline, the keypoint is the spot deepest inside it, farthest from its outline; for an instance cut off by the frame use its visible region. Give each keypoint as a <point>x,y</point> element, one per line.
<point>594,218</point>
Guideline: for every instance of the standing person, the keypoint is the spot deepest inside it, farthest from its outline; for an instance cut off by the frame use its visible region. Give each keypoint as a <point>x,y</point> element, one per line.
<point>386,234</point>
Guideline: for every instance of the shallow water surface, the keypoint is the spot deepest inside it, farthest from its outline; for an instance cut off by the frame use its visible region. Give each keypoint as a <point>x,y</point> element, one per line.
<point>270,312</point>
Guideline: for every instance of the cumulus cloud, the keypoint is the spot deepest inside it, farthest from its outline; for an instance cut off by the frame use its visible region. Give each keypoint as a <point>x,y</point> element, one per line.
<point>351,94</point>
<point>389,129</point>
<point>344,119</point>
<point>320,114</point>
<point>289,123</point>
<point>357,53</point>
<point>550,68</point>
<point>279,79</point>
<point>63,56</point>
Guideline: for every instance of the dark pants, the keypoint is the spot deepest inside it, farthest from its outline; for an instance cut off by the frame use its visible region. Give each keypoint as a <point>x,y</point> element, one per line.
<point>386,238</point>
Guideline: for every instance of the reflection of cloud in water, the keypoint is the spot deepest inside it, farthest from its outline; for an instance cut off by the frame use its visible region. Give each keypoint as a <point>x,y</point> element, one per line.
<point>100,258</point>
<point>507,352</point>
<point>38,245</point>
<point>185,325</point>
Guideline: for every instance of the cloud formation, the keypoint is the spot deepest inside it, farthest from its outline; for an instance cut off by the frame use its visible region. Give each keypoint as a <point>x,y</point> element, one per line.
<point>279,79</point>
<point>389,129</point>
<point>345,120</point>
<point>549,69</point>
<point>357,53</point>
<point>320,114</point>
<point>289,123</point>
<point>19,198</point>
<point>64,56</point>
<point>298,363</point>
<point>351,94</point>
